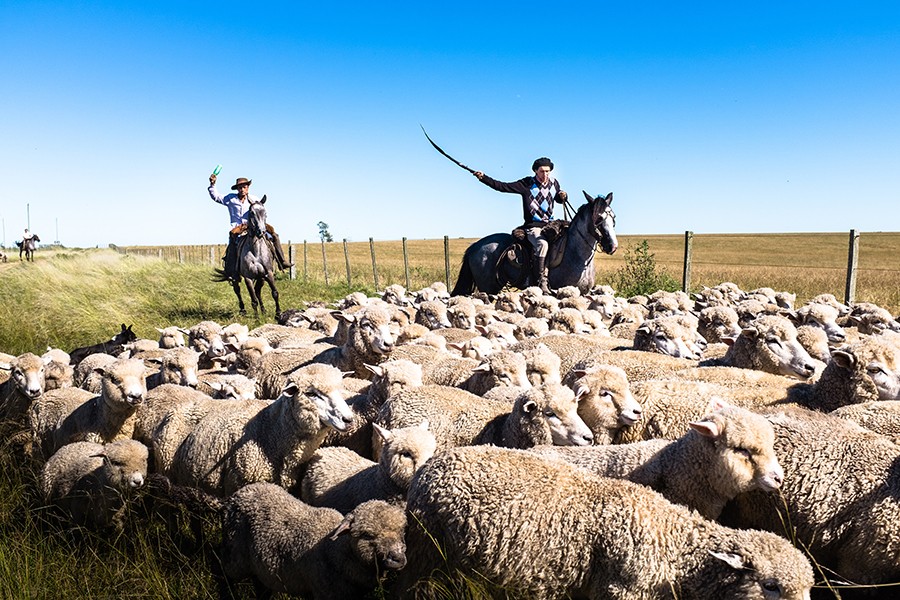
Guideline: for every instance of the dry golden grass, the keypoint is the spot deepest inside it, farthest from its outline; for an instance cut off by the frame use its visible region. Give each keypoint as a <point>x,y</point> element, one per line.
<point>806,264</point>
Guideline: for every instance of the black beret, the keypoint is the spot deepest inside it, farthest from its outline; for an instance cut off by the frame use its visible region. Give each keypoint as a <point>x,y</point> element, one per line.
<point>542,162</point>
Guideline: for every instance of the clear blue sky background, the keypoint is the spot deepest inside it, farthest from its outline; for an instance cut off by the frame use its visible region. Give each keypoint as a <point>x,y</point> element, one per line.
<point>708,116</point>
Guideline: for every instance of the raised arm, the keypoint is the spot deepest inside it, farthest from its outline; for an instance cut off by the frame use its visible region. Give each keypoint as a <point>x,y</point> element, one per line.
<point>213,193</point>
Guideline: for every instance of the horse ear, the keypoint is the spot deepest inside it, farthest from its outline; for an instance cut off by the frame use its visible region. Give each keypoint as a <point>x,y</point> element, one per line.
<point>263,200</point>
<point>609,199</point>
<point>588,196</point>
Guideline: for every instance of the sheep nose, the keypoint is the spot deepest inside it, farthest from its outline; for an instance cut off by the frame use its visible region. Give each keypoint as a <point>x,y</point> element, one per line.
<point>588,439</point>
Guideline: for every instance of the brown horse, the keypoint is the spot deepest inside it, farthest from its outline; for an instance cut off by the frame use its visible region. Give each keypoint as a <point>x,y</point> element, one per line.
<point>255,260</point>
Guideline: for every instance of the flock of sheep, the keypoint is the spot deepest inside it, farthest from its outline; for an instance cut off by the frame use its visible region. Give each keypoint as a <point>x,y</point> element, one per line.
<point>725,445</point>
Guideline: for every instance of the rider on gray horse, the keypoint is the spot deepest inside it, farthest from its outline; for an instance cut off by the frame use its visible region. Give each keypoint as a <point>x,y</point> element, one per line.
<point>539,194</point>
<point>238,205</point>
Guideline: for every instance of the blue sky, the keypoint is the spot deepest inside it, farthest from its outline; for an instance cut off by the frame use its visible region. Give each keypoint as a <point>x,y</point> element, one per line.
<point>708,116</point>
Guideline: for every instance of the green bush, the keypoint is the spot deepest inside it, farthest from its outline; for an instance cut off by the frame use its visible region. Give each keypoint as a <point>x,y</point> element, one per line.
<point>640,274</point>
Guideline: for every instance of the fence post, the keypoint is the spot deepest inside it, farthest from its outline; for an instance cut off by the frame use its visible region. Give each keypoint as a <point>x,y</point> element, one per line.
<point>405,263</point>
<point>292,272</point>
<point>374,267</point>
<point>686,273</point>
<point>852,256</point>
<point>305,260</point>
<point>160,254</point>
<point>212,256</point>
<point>347,260</point>
<point>447,260</point>
<point>324,262</point>
<point>180,256</point>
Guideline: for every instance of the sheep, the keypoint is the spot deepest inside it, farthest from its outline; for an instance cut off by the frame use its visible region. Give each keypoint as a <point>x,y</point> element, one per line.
<point>178,366</point>
<point>70,415</point>
<point>824,317</point>
<point>880,416</point>
<point>769,343</point>
<point>718,323</point>
<point>544,415</point>
<point>727,452</point>
<point>670,336</point>
<point>395,294</point>
<point>388,378</point>
<point>315,318</point>
<point>839,497</point>
<point>461,312</point>
<point>605,401</point>
<point>414,333</point>
<point>26,384</point>
<point>290,547</point>
<point>829,299</point>
<point>88,482</point>
<point>58,370</point>
<point>815,341</point>
<point>607,305</point>
<point>499,368</point>
<point>284,336</point>
<point>243,443</point>
<point>206,338</point>
<point>542,307</point>
<point>624,323</point>
<point>872,319</point>
<point>171,337</point>
<point>249,355</point>
<point>509,301</point>
<point>539,528</point>
<point>432,314</point>
<point>224,385</point>
<point>568,320</point>
<point>542,365</point>
<point>341,479</point>
<point>477,347</point>
<point>86,376</point>
<point>532,327</point>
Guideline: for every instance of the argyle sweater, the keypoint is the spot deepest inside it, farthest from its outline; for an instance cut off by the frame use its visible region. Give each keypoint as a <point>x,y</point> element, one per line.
<point>537,200</point>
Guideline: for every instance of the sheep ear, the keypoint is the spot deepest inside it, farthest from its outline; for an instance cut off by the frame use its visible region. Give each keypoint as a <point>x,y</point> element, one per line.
<point>100,371</point>
<point>735,561</point>
<point>290,389</point>
<point>5,366</point>
<point>579,372</point>
<point>484,367</point>
<point>340,316</point>
<point>844,359</point>
<point>216,385</point>
<point>716,403</point>
<point>375,369</point>
<point>184,331</point>
<point>347,373</point>
<point>793,316</point>
<point>581,390</point>
<point>481,329</point>
<point>456,346</point>
<point>705,428</point>
<point>385,434</point>
<point>342,527</point>
<point>159,330</point>
<point>729,341</point>
<point>750,332</point>
<point>643,329</point>
<point>529,406</point>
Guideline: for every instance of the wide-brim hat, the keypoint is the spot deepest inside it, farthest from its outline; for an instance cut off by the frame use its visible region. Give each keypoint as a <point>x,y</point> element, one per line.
<point>241,181</point>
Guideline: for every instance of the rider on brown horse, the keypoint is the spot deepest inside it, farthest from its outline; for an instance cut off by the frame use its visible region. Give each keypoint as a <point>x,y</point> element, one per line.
<point>539,195</point>
<point>238,204</point>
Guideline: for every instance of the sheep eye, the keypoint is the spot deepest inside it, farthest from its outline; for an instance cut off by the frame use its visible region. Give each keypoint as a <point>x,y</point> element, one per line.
<point>771,586</point>
<point>874,370</point>
<point>406,454</point>
<point>773,342</point>
<point>743,452</point>
<point>550,414</point>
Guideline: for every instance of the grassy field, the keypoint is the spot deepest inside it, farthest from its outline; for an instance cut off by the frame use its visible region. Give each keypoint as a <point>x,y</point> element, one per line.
<point>70,298</point>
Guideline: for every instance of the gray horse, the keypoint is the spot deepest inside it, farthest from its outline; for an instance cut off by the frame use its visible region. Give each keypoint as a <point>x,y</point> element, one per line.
<point>486,266</point>
<point>255,260</point>
<point>27,246</point>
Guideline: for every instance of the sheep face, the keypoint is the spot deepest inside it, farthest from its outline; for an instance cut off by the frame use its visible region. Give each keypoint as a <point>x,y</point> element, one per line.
<point>824,317</point>
<point>557,407</point>
<point>206,338</point>
<point>404,451</point>
<point>377,532</point>
<point>462,316</point>
<point>171,337</point>
<point>372,329</point>
<point>180,367</point>
<point>125,464</point>
<point>323,386</point>
<point>879,360</point>
<point>744,444</point>
<point>506,369</point>
<point>27,374</point>
<point>124,381</point>
<point>666,335</point>
<point>433,315</point>
<point>394,376</point>
<point>776,345</point>
<point>605,401</point>
<point>718,323</point>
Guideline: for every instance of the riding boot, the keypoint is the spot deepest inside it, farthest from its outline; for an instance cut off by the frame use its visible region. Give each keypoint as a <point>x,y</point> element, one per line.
<point>538,274</point>
<point>279,252</point>
<point>231,258</point>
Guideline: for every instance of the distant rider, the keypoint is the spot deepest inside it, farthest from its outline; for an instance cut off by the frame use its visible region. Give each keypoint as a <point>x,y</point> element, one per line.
<point>540,193</point>
<point>25,237</point>
<point>238,206</point>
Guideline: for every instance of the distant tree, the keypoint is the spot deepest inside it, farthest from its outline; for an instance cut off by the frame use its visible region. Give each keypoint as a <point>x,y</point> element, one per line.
<point>324,234</point>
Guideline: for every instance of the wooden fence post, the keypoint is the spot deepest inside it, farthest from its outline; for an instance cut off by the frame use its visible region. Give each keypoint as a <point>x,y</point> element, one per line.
<point>212,256</point>
<point>180,256</point>
<point>347,260</point>
<point>686,273</point>
<point>324,262</point>
<point>160,254</point>
<point>374,267</point>
<point>405,263</point>
<point>292,272</point>
<point>305,260</point>
<point>447,260</point>
<point>852,257</point>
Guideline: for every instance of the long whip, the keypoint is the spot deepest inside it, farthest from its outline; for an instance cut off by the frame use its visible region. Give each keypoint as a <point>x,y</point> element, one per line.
<point>439,149</point>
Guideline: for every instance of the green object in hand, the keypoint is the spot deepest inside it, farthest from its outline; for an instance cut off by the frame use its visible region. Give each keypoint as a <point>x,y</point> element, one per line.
<point>217,170</point>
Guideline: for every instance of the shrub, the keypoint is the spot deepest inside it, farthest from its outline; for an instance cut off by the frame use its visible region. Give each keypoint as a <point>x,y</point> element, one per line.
<point>640,274</point>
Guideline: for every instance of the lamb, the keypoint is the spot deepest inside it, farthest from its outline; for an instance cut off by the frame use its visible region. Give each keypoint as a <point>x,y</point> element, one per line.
<point>770,344</point>
<point>341,479</point>
<point>89,481</point>
<point>671,336</point>
<point>293,548</point>
<point>839,494</point>
<point>727,452</point>
<point>539,528</point>
<point>243,443</point>
<point>26,384</point>
<point>544,415</point>
<point>71,415</point>
<point>178,366</point>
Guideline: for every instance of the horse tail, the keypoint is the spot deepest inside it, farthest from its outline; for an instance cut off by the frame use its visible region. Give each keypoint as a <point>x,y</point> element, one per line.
<point>219,275</point>
<point>465,282</point>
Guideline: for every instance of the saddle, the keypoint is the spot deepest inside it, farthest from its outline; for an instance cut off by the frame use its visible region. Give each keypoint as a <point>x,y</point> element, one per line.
<point>520,253</point>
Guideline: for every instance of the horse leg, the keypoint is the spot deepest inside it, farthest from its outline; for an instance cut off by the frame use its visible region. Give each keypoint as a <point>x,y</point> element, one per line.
<point>254,301</point>
<point>236,286</point>
<point>270,278</point>
<point>258,289</point>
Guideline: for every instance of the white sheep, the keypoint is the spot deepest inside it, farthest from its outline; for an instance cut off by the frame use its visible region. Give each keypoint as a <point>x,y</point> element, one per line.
<point>89,481</point>
<point>341,479</point>
<point>318,553</point>
<point>605,401</point>
<point>539,528</point>
<point>26,384</point>
<point>674,335</point>
<point>727,452</point>
<point>171,337</point>
<point>206,338</point>
<point>244,442</point>
<point>176,365</point>
<point>769,343</point>
<point>880,416</point>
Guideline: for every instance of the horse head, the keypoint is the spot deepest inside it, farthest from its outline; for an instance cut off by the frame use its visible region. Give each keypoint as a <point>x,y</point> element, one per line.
<point>256,218</point>
<point>604,220</point>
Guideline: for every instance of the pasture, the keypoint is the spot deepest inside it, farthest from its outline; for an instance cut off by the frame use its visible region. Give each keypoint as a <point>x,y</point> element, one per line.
<point>69,298</point>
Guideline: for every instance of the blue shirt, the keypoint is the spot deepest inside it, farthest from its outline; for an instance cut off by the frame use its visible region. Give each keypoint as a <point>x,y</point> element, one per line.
<point>237,210</point>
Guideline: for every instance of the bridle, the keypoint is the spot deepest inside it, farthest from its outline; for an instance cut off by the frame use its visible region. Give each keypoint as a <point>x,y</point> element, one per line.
<point>253,221</point>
